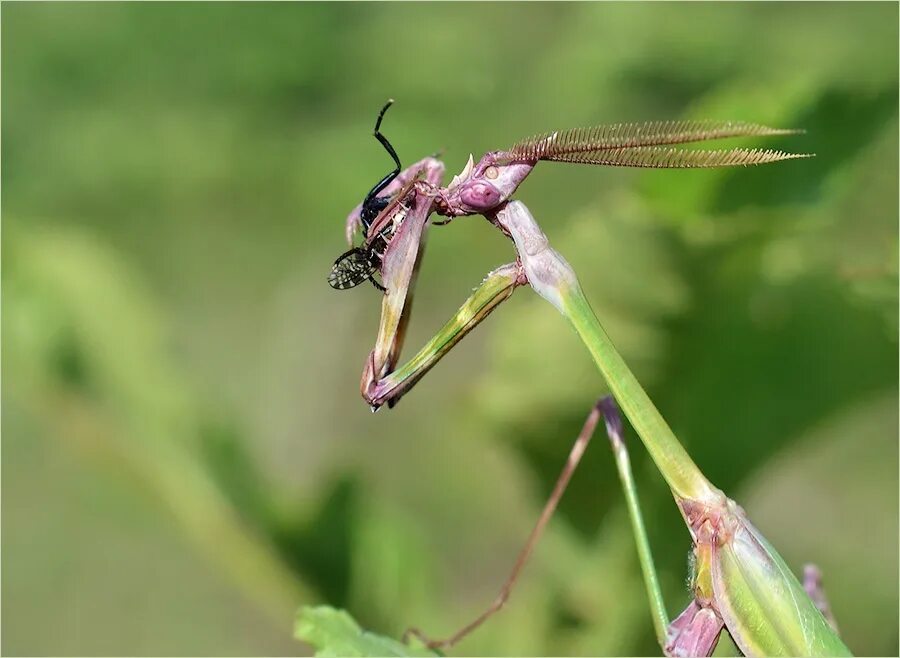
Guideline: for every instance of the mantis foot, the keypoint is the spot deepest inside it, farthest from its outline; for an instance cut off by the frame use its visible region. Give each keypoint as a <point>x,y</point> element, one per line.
<point>812,583</point>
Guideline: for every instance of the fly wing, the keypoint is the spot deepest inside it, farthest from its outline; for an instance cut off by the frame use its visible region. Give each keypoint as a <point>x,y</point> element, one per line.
<point>350,269</point>
<point>637,144</point>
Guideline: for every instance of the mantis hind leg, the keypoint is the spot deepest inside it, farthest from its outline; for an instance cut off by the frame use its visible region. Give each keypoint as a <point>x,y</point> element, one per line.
<point>696,631</point>
<point>623,465</point>
<point>559,488</point>
<point>701,632</point>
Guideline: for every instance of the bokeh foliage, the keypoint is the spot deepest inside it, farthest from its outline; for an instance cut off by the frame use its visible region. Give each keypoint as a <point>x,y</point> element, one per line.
<point>186,459</point>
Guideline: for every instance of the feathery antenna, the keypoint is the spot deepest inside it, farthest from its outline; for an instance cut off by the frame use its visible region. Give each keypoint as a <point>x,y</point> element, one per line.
<point>655,157</point>
<point>637,145</point>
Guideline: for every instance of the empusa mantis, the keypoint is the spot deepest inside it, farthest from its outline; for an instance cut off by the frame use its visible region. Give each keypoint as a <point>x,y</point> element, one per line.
<point>740,583</point>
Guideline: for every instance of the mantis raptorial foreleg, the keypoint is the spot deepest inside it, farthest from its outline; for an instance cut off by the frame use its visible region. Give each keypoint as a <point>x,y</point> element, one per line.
<point>496,288</point>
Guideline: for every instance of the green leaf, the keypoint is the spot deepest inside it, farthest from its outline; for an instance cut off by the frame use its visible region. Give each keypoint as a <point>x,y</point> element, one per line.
<point>335,633</point>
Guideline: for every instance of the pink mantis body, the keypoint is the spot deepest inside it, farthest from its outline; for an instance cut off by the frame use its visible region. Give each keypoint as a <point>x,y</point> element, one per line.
<point>486,188</point>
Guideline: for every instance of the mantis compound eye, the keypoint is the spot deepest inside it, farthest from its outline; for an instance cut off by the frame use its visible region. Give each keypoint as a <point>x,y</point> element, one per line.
<point>479,195</point>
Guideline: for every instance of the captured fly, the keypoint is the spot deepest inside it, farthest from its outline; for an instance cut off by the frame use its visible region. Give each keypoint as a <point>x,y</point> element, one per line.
<point>360,263</point>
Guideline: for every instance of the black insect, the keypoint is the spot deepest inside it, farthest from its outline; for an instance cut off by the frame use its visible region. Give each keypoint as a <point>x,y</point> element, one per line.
<point>353,267</point>
<point>360,263</point>
<point>374,204</point>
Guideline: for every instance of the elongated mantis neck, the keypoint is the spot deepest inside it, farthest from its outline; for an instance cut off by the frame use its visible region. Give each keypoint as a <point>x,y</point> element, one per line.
<point>681,473</point>
<point>555,280</point>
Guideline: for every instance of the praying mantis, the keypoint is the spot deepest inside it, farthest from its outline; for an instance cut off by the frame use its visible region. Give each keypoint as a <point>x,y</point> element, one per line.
<point>739,582</point>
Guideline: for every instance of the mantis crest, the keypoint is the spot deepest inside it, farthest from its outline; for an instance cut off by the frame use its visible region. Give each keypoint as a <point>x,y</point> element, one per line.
<point>740,584</point>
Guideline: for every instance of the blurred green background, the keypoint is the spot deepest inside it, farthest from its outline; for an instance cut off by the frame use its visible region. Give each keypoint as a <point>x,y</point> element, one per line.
<point>186,458</point>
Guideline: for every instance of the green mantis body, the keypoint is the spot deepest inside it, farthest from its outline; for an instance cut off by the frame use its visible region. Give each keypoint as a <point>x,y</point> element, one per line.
<point>740,582</point>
